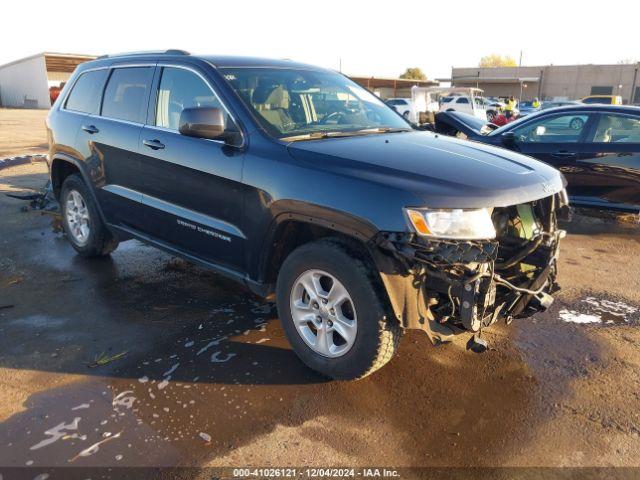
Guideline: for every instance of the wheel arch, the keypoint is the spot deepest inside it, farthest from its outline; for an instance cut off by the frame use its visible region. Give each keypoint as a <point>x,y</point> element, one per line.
<point>62,166</point>
<point>291,229</point>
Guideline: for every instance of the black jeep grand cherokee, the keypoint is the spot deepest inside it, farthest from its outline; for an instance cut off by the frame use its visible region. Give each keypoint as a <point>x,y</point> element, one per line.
<point>308,189</point>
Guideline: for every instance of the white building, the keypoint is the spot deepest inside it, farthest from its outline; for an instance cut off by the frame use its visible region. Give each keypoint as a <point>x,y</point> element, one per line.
<point>25,83</point>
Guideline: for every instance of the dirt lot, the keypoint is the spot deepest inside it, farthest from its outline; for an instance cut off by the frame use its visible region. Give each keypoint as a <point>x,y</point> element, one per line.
<point>22,132</point>
<point>200,373</point>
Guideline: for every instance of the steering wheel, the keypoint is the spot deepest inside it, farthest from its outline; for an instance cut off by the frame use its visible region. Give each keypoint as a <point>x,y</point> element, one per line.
<point>325,120</point>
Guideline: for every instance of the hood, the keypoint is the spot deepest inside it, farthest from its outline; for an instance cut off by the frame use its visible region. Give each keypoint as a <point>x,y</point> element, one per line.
<point>442,172</point>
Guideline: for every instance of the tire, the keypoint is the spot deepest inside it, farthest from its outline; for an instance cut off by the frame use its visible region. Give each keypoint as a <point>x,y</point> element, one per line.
<point>576,123</point>
<point>78,208</point>
<point>377,334</point>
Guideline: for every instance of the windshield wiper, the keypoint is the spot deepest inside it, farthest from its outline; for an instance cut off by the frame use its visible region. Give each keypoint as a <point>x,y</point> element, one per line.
<point>383,130</point>
<point>318,135</point>
<point>352,133</point>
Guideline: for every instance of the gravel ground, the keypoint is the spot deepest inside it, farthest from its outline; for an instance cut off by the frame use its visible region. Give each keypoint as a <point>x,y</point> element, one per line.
<point>22,132</point>
<point>198,372</point>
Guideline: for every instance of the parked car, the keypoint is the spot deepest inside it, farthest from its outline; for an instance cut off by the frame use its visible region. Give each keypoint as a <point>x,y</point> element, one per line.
<point>309,190</point>
<point>471,104</point>
<point>527,108</point>
<point>559,103</point>
<point>596,147</point>
<point>400,105</point>
<point>603,99</point>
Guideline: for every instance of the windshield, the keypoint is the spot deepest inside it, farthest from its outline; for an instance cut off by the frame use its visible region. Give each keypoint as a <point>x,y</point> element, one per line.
<point>291,102</point>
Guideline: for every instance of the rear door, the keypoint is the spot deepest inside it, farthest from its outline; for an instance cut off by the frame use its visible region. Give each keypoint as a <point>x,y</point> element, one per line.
<point>609,170</point>
<point>557,139</point>
<point>192,190</point>
<point>109,142</point>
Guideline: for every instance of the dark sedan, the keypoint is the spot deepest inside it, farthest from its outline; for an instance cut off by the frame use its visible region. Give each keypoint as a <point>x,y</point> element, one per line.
<point>596,147</point>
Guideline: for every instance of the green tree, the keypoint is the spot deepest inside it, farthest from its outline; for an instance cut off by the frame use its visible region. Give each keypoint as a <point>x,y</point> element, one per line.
<point>413,73</point>
<point>495,60</point>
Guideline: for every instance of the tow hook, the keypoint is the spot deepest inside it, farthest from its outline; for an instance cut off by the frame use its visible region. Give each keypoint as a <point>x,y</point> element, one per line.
<point>477,344</point>
<point>544,300</point>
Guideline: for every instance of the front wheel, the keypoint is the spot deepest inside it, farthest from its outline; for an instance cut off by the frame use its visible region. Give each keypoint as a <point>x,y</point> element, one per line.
<point>81,221</point>
<point>331,311</point>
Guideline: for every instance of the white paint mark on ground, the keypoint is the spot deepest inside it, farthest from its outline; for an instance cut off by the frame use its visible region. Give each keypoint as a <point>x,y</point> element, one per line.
<point>95,448</point>
<point>215,357</point>
<point>56,433</point>
<point>171,370</point>
<point>123,399</point>
<point>599,311</point>
<point>205,436</point>
<point>619,309</point>
<point>575,317</point>
<point>81,406</point>
<point>212,343</point>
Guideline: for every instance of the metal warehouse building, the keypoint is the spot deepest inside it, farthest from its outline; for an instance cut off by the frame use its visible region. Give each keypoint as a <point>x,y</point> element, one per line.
<point>548,82</point>
<point>25,83</point>
<point>391,87</point>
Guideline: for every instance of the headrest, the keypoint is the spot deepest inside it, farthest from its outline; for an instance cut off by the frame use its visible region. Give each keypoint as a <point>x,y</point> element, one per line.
<point>272,96</point>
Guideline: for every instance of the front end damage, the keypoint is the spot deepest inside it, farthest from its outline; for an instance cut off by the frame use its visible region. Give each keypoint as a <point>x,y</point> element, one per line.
<point>447,286</point>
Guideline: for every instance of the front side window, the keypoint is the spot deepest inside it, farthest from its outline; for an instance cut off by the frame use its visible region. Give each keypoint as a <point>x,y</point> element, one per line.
<point>292,102</point>
<point>127,92</point>
<point>617,129</point>
<point>85,96</point>
<point>463,100</point>
<point>553,129</point>
<point>180,89</point>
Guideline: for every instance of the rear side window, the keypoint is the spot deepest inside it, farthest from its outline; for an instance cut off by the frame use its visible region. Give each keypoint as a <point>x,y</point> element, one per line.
<point>463,100</point>
<point>127,92</point>
<point>85,95</point>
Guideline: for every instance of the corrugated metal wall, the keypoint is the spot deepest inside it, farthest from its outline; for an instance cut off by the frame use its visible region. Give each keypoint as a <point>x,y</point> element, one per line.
<point>24,84</point>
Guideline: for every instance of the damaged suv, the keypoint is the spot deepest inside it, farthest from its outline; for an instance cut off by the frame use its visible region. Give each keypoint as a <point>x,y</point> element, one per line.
<point>309,190</point>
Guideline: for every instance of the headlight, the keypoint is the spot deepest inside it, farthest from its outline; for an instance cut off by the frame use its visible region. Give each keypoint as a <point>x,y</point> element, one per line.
<point>455,224</point>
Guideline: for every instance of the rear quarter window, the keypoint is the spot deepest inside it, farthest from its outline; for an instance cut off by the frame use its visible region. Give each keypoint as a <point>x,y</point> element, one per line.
<point>86,92</point>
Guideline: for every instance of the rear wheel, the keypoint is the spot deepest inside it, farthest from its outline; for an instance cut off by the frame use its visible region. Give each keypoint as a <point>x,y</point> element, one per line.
<point>81,222</point>
<point>331,312</point>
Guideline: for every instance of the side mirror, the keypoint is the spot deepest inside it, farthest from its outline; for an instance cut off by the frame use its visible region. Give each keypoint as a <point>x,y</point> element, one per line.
<point>508,138</point>
<point>202,122</point>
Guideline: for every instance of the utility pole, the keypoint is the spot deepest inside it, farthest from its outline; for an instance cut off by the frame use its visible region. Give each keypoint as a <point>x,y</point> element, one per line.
<point>340,64</point>
<point>520,63</point>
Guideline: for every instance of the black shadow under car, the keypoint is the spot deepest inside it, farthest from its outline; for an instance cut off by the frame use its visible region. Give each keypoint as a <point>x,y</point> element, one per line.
<point>309,190</point>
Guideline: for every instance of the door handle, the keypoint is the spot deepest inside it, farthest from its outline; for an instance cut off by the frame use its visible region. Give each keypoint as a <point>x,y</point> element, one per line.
<point>563,154</point>
<point>153,144</point>
<point>91,129</point>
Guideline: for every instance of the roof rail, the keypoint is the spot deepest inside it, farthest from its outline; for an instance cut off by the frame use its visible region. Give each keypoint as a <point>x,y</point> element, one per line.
<point>171,51</point>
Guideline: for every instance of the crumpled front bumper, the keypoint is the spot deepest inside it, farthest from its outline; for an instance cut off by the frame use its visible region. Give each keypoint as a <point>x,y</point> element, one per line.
<point>448,286</point>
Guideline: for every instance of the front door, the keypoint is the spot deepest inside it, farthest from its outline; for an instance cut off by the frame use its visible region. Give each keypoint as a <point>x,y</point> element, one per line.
<point>609,169</point>
<point>192,191</point>
<point>558,140</point>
